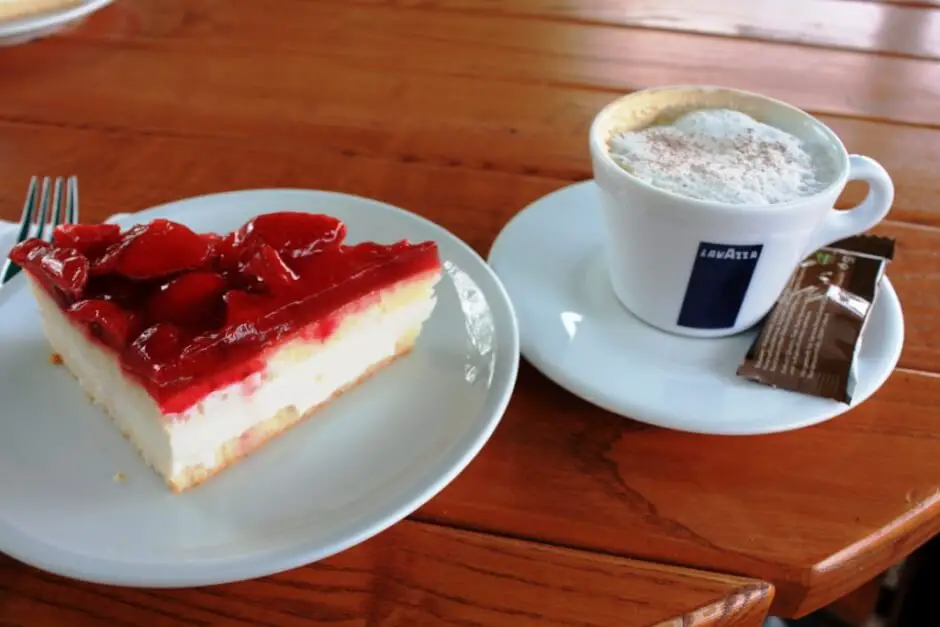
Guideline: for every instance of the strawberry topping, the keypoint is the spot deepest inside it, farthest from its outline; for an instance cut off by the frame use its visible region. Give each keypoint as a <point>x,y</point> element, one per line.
<point>190,300</point>
<point>90,240</point>
<point>63,268</point>
<point>187,313</point>
<point>156,250</point>
<point>105,321</point>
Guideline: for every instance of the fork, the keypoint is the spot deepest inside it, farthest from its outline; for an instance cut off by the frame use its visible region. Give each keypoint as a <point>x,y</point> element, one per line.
<point>46,207</point>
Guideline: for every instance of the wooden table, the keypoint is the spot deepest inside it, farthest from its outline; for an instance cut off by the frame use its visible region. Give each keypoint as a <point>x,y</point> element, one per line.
<point>414,575</point>
<point>465,111</point>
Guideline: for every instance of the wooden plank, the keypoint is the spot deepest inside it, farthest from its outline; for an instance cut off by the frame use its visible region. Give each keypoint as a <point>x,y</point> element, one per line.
<point>808,511</point>
<point>128,172</point>
<point>916,268</point>
<point>314,51</point>
<point>177,99</point>
<point>413,575</point>
<point>912,31</point>
<point>522,128</point>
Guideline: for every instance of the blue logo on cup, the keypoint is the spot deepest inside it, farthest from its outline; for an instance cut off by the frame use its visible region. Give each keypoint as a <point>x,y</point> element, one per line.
<point>720,277</point>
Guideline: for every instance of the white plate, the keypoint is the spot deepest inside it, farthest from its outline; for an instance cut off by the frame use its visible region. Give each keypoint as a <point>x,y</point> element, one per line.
<point>364,462</point>
<point>24,29</point>
<point>578,334</point>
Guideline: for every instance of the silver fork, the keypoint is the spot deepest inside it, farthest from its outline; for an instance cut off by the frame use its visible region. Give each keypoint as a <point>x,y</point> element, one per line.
<point>46,207</point>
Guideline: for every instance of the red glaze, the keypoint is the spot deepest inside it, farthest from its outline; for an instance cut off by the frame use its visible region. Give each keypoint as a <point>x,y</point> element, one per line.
<point>156,250</point>
<point>105,321</point>
<point>190,313</point>
<point>293,234</point>
<point>261,266</point>
<point>89,239</point>
<point>191,300</point>
<point>63,271</point>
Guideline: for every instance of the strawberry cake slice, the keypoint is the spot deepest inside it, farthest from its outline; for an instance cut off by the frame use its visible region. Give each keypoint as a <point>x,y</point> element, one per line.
<point>201,347</point>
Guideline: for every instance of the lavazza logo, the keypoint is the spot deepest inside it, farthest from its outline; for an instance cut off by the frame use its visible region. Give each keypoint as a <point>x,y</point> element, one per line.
<point>731,253</point>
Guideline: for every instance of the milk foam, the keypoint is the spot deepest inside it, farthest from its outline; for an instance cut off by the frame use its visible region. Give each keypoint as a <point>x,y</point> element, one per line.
<point>725,156</point>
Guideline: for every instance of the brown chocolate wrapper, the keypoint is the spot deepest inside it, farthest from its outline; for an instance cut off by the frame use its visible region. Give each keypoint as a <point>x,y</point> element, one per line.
<point>808,341</point>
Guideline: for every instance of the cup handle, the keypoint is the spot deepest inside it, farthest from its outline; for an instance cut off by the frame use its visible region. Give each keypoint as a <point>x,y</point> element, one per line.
<point>839,224</point>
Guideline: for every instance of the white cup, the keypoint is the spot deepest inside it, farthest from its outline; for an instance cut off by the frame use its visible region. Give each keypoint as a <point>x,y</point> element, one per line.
<point>711,269</point>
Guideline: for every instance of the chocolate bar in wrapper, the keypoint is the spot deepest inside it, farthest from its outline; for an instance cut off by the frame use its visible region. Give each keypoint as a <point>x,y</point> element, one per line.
<point>808,342</point>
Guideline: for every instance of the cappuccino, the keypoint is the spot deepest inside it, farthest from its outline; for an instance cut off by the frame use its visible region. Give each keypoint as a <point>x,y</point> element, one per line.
<point>726,156</point>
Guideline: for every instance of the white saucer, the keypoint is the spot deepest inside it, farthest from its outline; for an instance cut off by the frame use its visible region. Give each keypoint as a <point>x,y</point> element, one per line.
<point>577,333</point>
<point>24,29</point>
<point>361,464</point>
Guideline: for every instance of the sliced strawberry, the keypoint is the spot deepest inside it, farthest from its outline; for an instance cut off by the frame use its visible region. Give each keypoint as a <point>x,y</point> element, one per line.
<point>262,266</point>
<point>241,307</point>
<point>105,321</point>
<point>154,347</point>
<point>293,234</point>
<point>63,268</point>
<point>155,250</point>
<point>106,264</point>
<point>214,240</point>
<point>89,239</point>
<point>226,253</point>
<point>64,271</point>
<point>27,251</point>
<point>191,300</point>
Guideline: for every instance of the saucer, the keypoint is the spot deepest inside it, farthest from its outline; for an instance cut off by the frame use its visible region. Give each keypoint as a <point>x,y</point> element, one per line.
<point>576,332</point>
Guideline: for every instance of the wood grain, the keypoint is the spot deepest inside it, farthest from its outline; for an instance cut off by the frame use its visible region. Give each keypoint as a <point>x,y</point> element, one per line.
<point>125,172</point>
<point>914,274</point>
<point>529,129</point>
<point>413,575</point>
<point>448,128</point>
<point>817,512</point>
<point>465,118</point>
<point>560,471</point>
<point>912,31</point>
<point>325,44</point>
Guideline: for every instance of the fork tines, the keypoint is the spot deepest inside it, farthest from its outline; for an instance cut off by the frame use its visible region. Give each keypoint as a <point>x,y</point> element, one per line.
<point>46,207</point>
